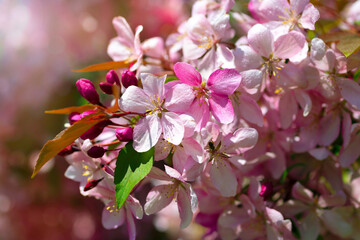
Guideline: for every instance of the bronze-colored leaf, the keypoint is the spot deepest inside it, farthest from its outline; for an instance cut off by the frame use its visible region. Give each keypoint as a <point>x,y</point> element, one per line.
<point>104,66</point>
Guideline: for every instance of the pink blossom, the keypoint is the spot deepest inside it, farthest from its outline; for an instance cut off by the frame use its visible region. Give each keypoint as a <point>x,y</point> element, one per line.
<point>212,95</point>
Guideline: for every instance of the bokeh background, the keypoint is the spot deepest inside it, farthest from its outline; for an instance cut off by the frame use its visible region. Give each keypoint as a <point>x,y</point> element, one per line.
<point>40,43</point>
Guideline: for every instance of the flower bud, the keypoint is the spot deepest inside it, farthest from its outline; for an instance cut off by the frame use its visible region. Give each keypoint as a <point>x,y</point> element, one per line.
<point>96,152</point>
<point>95,130</point>
<point>91,184</point>
<point>67,151</point>
<point>128,79</point>
<point>266,190</point>
<point>124,134</point>
<point>106,87</point>
<point>74,117</point>
<point>87,90</point>
<point>112,77</point>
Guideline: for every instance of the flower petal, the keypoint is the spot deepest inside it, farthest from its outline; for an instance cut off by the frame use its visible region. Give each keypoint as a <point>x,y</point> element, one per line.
<point>179,98</point>
<point>153,86</point>
<point>309,17</point>
<point>135,99</point>
<point>223,178</point>
<point>111,218</point>
<point>184,205</point>
<point>158,198</point>
<point>246,58</point>
<point>146,133</point>
<point>261,40</point>
<point>289,44</point>
<point>350,90</point>
<point>187,74</point>
<point>224,81</point>
<point>123,30</point>
<point>172,128</point>
<point>221,108</point>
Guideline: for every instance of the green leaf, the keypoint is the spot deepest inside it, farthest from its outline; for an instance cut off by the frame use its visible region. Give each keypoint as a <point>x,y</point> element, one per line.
<point>171,78</point>
<point>64,139</point>
<point>347,42</point>
<point>349,45</point>
<point>131,168</point>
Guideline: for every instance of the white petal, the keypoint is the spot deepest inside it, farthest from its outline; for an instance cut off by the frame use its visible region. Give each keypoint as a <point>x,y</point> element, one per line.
<point>172,128</point>
<point>146,133</point>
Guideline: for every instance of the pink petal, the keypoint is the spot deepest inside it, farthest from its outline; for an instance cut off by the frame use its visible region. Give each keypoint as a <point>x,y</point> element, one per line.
<point>289,44</point>
<point>310,226</point>
<point>187,74</point>
<point>162,150</point>
<point>154,47</point>
<point>309,17</point>
<point>320,153</point>
<point>298,5</point>
<point>113,219</point>
<point>135,207</point>
<point>224,81</point>
<point>329,129</point>
<point>351,152</point>
<point>304,100</point>
<point>288,109</point>
<point>241,138</point>
<point>184,205</point>
<point>350,90</point>
<point>172,128</point>
<point>301,193</point>
<point>221,108</point>
<point>251,81</point>
<point>191,50</point>
<point>173,172</point>
<point>158,198</point>
<point>135,99</point>
<point>246,58</point>
<point>147,132</point>
<point>159,174</point>
<point>250,110</point>
<point>261,40</point>
<point>200,111</point>
<point>198,28</point>
<point>130,225</point>
<point>193,148</point>
<point>248,206</point>
<point>223,178</point>
<point>346,128</point>
<point>123,30</point>
<point>119,51</point>
<point>336,223</point>
<point>153,86</point>
<point>179,98</point>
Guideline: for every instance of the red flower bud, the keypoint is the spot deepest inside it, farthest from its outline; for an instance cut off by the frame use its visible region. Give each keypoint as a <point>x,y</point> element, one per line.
<point>67,151</point>
<point>95,130</point>
<point>128,79</point>
<point>87,90</point>
<point>266,190</point>
<point>124,134</point>
<point>91,184</point>
<point>96,152</point>
<point>106,87</point>
<point>112,77</point>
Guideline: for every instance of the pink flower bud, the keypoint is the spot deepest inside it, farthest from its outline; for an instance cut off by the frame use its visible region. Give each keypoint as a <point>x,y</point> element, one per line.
<point>112,77</point>
<point>95,130</point>
<point>124,134</point>
<point>87,90</point>
<point>128,79</point>
<point>266,190</point>
<point>106,87</point>
<point>96,152</point>
<point>74,117</point>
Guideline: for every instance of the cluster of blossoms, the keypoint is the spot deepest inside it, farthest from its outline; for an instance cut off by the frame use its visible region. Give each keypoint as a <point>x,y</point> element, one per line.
<point>252,126</point>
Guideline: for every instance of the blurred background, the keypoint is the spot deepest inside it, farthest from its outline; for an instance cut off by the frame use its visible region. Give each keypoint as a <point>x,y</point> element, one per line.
<point>40,43</point>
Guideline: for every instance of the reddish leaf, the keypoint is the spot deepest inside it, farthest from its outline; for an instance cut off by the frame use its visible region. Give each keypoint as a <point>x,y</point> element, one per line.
<point>69,110</point>
<point>65,138</point>
<point>104,66</point>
